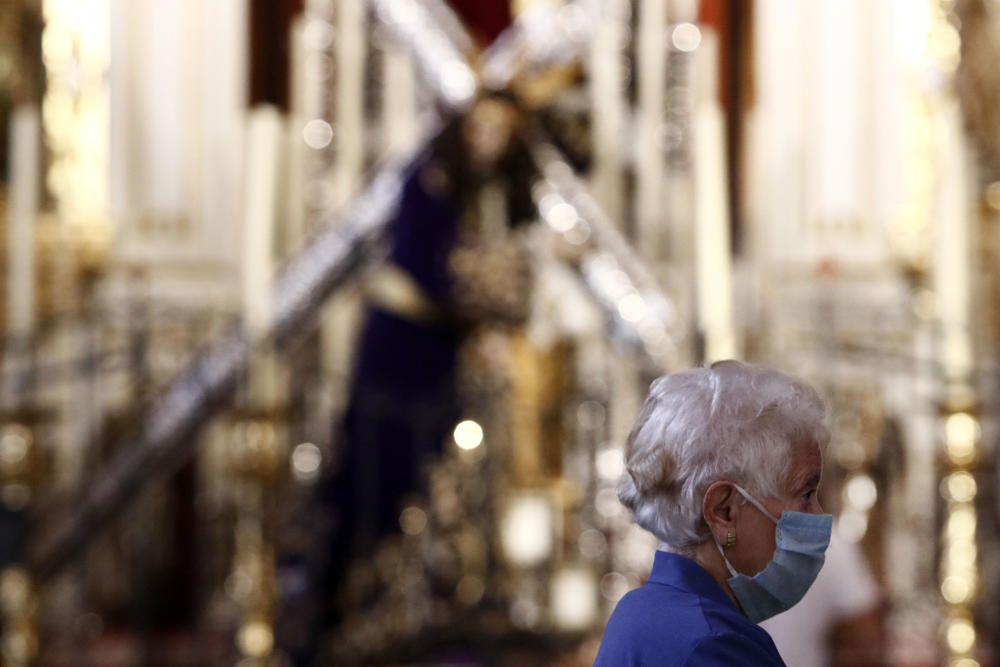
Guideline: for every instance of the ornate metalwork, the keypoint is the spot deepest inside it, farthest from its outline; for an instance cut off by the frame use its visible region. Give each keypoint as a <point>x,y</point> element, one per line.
<point>22,467</point>
<point>18,607</point>
<point>255,456</point>
<point>639,314</point>
<point>438,60</point>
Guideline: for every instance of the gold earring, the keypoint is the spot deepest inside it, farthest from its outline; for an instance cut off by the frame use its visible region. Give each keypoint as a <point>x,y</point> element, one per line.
<point>730,540</point>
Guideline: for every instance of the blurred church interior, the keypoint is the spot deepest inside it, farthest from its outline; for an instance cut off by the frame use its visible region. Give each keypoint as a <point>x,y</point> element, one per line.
<point>324,321</point>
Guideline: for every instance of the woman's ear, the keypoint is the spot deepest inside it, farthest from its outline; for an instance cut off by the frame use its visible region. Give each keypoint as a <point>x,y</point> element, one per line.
<point>720,507</point>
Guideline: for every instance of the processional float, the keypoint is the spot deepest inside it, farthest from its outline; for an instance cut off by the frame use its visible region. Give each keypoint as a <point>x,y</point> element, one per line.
<point>639,315</point>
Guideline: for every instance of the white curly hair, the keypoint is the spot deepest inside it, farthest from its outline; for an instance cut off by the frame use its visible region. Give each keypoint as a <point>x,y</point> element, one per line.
<point>727,421</point>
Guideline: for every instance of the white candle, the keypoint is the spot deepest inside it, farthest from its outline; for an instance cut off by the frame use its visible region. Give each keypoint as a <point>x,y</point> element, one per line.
<point>713,263</point>
<point>953,264</point>
<point>264,171</point>
<point>350,111</point>
<point>265,133</point>
<point>295,210</point>
<point>607,104</point>
<point>22,215</point>
<point>651,58</point>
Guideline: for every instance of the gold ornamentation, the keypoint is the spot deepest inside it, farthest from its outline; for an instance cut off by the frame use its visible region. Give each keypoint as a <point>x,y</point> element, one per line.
<point>492,279</point>
<point>18,607</point>
<point>255,458</point>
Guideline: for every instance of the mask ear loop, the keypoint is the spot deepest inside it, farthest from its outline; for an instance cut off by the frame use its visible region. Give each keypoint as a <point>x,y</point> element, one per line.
<point>756,503</point>
<point>753,501</point>
<point>729,566</point>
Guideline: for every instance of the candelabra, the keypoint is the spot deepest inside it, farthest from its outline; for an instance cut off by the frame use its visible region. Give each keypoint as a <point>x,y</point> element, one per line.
<point>22,465</point>
<point>255,455</point>
<point>959,419</point>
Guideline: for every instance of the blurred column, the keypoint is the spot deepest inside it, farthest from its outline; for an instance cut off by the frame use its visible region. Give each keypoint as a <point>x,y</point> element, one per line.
<point>651,60</point>
<point>76,53</point>
<point>179,93</point>
<point>223,83</point>
<point>952,278</point>
<point>349,134</point>
<point>606,68</point>
<point>676,140</point>
<point>22,218</point>
<point>75,114</point>
<point>349,152</point>
<point>150,129</point>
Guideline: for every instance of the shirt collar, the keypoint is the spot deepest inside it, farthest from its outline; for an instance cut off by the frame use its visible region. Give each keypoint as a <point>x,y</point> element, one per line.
<point>683,573</point>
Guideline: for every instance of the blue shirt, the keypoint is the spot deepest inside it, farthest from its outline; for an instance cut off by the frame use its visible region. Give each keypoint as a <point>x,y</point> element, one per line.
<point>682,617</point>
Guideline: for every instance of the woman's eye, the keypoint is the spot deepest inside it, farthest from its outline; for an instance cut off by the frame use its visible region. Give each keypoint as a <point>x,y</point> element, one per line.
<point>809,495</point>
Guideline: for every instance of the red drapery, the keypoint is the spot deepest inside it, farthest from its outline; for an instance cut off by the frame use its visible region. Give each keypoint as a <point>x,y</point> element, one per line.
<point>484,19</point>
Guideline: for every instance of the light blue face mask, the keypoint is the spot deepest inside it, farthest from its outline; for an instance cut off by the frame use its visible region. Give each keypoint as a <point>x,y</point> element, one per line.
<point>800,540</point>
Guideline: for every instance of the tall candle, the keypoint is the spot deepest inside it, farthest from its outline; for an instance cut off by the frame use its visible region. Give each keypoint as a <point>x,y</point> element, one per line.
<point>713,263</point>
<point>297,150</point>
<point>22,214</point>
<point>264,168</point>
<point>350,112</point>
<point>953,263</point>
<point>651,59</point>
<point>264,152</point>
<point>608,113</point>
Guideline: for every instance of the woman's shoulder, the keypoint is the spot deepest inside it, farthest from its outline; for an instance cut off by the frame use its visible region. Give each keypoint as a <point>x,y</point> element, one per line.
<point>654,620</point>
<point>663,625</point>
<point>735,649</point>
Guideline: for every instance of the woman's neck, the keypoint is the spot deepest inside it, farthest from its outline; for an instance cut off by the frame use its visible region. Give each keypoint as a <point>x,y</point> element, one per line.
<point>708,556</point>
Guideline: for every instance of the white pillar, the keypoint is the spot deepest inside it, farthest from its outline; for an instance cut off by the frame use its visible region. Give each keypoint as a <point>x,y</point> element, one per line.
<point>178,107</point>
<point>222,117</point>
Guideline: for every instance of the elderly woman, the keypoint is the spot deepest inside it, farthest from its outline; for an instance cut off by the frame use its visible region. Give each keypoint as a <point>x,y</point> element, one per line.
<point>722,466</point>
